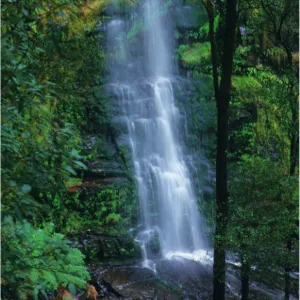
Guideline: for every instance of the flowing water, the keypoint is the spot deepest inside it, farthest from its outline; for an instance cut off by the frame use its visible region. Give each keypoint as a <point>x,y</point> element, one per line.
<point>150,121</point>
<point>142,79</point>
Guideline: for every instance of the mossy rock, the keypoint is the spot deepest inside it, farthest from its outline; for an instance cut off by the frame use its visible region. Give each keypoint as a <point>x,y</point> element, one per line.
<point>97,247</point>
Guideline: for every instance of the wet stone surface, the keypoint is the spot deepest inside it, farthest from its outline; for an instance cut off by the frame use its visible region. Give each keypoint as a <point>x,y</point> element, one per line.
<point>175,279</point>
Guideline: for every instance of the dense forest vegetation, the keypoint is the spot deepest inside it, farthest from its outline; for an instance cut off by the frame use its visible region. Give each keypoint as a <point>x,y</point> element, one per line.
<point>65,177</point>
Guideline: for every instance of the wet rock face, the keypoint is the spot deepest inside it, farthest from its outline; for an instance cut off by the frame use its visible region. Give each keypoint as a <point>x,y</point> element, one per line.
<point>107,163</point>
<point>107,158</point>
<point>106,190</point>
<point>154,247</point>
<point>134,282</point>
<point>98,247</point>
<point>174,280</point>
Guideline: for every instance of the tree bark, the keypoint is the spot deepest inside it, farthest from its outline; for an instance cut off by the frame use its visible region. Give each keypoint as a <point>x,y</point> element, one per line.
<point>287,274</point>
<point>294,138</point>
<point>223,99</point>
<point>294,154</point>
<point>221,199</point>
<point>293,164</point>
<point>245,269</point>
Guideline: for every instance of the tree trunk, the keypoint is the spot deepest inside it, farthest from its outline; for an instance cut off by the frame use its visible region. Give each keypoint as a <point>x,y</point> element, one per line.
<point>245,269</point>
<point>223,99</point>
<point>294,154</point>
<point>294,137</point>
<point>287,274</point>
<point>293,165</point>
<point>221,200</point>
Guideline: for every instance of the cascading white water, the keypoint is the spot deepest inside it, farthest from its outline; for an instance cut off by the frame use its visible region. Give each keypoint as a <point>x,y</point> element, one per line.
<point>141,79</point>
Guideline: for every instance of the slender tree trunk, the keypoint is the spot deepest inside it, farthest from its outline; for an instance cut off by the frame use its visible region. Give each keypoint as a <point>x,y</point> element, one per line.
<point>287,273</point>
<point>293,165</point>
<point>221,202</point>
<point>223,99</point>
<point>245,269</point>
<point>294,140</point>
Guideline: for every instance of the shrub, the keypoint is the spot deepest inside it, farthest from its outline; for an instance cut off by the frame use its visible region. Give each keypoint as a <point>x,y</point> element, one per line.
<point>38,261</point>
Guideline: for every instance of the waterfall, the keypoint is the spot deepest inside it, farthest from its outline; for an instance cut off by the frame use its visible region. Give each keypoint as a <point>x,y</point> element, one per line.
<point>142,80</point>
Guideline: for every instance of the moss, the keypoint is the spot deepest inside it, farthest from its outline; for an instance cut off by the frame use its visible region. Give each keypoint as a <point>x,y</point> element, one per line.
<point>269,135</point>
<point>196,54</point>
<point>246,87</point>
<point>259,127</point>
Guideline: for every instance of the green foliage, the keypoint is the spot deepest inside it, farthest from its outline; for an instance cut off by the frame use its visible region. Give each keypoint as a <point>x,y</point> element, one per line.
<point>38,261</point>
<point>263,122</point>
<point>246,86</point>
<point>240,58</point>
<point>110,211</point>
<point>204,30</point>
<point>50,60</point>
<point>261,219</point>
<point>276,110</point>
<point>266,100</point>
<point>47,53</point>
<point>244,138</point>
<point>73,181</point>
<point>114,208</point>
<point>276,55</point>
<point>195,55</point>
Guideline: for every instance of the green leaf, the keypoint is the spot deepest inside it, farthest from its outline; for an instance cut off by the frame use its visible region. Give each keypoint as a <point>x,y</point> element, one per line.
<point>38,49</point>
<point>12,183</point>
<point>26,188</point>
<point>98,94</point>
<point>72,289</point>
<point>70,169</point>
<point>74,153</point>
<point>80,164</point>
<point>25,11</point>
<point>34,275</point>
